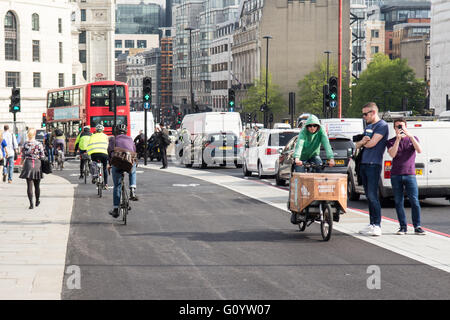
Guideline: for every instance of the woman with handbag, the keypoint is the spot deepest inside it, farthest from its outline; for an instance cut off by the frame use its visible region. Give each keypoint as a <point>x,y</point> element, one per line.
<point>32,153</point>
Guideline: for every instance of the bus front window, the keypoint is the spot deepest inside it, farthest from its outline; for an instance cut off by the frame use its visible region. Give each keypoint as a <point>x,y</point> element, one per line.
<point>100,96</point>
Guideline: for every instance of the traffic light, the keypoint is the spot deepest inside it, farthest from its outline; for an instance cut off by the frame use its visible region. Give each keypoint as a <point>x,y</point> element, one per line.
<point>333,92</point>
<point>179,118</point>
<point>112,99</point>
<point>15,100</point>
<point>231,99</point>
<point>44,120</point>
<point>147,92</point>
<point>248,117</point>
<point>271,117</point>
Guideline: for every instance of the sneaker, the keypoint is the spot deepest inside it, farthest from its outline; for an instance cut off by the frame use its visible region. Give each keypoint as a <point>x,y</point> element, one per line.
<point>105,187</point>
<point>376,231</point>
<point>419,231</point>
<point>402,231</point>
<point>367,229</point>
<point>9,181</point>
<point>81,176</point>
<point>114,212</point>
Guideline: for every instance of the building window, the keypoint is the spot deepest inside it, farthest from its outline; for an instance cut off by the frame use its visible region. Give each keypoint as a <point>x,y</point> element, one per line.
<point>74,79</point>
<point>59,25</point>
<point>375,33</point>
<point>36,50</point>
<point>82,56</point>
<point>83,14</point>
<point>12,79</point>
<point>142,43</point>
<point>84,74</point>
<point>61,80</point>
<point>117,53</point>
<point>129,43</point>
<point>118,44</point>
<point>35,22</point>
<point>374,49</point>
<point>10,37</point>
<point>36,79</point>
<point>82,37</point>
<point>60,52</point>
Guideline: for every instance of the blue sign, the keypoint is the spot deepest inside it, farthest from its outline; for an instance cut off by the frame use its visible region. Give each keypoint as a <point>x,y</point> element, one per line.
<point>333,104</point>
<point>146,105</point>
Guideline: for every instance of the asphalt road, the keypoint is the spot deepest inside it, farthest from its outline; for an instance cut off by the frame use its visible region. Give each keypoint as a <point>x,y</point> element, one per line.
<point>204,241</point>
<point>435,212</point>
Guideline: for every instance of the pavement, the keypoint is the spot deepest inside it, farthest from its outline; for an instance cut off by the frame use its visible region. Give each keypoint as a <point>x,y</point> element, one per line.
<point>33,242</point>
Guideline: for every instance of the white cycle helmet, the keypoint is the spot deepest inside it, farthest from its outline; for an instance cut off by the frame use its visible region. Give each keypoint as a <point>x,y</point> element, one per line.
<point>99,127</point>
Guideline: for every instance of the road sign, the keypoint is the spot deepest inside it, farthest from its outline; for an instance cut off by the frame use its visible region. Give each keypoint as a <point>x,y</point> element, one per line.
<point>146,105</point>
<point>333,104</point>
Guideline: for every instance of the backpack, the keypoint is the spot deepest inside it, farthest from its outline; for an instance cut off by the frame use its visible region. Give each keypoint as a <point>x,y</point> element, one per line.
<point>165,139</point>
<point>58,132</point>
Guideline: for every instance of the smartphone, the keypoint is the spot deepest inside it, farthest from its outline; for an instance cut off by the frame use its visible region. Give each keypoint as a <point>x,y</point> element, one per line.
<point>399,126</point>
<point>369,133</point>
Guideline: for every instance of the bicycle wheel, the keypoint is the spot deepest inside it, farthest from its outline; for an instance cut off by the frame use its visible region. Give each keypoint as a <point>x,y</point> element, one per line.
<point>326,223</point>
<point>124,205</point>
<point>86,171</point>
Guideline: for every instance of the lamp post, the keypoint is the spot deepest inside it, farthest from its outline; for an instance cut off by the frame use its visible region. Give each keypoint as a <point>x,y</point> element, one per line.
<point>328,64</point>
<point>190,65</point>
<point>267,77</point>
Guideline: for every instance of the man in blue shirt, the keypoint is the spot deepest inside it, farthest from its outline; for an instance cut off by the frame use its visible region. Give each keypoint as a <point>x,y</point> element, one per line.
<point>374,143</point>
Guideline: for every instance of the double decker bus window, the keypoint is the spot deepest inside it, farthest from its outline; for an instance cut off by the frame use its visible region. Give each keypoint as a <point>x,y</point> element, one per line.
<point>107,121</point>
<point>60,99</point>
<point>76,97</point>
<point>100,96</point>
<point>67,100</point>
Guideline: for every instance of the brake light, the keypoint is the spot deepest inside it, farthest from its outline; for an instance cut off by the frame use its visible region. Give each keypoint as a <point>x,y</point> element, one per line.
<point>387,169</point>
<point>271,151</point>
<point>417,125</point>
<point>240,145</point>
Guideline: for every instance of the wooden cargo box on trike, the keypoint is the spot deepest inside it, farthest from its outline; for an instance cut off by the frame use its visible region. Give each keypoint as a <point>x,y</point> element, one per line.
<point>311,197</point>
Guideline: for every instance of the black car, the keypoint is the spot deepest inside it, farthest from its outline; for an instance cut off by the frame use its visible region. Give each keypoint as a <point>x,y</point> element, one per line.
<point>342,149</point>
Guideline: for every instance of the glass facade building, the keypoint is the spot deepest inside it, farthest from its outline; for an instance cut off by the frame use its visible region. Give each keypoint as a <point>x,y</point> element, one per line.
<point>138,18</point>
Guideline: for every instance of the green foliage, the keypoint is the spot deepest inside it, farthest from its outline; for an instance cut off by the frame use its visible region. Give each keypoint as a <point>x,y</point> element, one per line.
<point>256,96</point>
<point>310,94</point>
<point>383,75</point>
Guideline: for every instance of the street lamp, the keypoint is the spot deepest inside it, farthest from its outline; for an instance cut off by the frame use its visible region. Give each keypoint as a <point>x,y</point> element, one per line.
<point>190,65</point>
<point>328,64</point>
<point>267,76</point>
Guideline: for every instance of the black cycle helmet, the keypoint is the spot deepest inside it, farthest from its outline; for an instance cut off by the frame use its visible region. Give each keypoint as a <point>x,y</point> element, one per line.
<point>121,128</point>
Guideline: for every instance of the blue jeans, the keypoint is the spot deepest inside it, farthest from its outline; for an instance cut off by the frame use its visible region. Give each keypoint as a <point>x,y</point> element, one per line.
<point>370,175</point>
<point>9,167</point>
<point>51,156</point>
<point>314,160</point>
<point>409,184</point>
<point>117,179</point>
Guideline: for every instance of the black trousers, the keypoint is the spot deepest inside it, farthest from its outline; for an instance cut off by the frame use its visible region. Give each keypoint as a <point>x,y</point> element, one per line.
<point>163,150</point>
<point>103,158</point>
<point>82,161</point>
<point>37,189</point>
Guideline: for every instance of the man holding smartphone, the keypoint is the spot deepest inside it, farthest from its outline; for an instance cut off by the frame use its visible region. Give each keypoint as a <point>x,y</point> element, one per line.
<point>374,143</point>
<point>402,148</point>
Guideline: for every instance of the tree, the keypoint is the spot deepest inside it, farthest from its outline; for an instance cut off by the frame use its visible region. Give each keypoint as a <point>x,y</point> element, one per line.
<point>390,81</point>
<point>311,89</point>
<point>256,96</point>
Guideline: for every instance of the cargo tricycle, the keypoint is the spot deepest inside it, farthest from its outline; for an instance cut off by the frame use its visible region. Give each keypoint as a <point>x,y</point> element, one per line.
<point>312,197</point>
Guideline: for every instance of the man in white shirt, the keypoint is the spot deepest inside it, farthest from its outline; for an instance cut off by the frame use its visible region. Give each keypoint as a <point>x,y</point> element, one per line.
<point>11,148</point>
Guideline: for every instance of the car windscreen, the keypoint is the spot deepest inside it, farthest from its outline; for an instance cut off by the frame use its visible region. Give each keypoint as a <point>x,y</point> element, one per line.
<point>213,138</point>
<point>280,139</point>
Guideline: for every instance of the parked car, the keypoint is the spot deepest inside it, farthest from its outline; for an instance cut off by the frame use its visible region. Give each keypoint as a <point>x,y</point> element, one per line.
<point>216,148</point>
<point>432,173</point>
<point>263,150</point>
<point>342,147</point>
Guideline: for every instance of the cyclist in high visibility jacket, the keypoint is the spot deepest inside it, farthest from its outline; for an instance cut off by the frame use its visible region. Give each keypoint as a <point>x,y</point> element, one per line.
<point>98,150</point>
<point>82,144</point>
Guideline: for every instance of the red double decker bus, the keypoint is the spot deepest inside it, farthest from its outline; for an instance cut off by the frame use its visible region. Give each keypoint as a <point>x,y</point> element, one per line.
<point>71,108</point>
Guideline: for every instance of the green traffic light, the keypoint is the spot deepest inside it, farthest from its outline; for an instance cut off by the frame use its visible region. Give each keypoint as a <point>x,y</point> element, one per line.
<point>333,96</point>
<point>231,103</point>
<point>146,97</point>
<point>16,108</point>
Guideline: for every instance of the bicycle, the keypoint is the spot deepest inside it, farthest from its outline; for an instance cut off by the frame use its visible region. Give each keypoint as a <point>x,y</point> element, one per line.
<point>99,181</point>
<point>124,206</point>
<point>311,197</point>
<point>59,159</point>
<point>87,164</point>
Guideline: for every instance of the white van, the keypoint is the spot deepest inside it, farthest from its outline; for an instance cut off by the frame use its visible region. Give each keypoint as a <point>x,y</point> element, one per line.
<point>212,122</point>
<point>281,125</point>
<point>347,127</point>
<point>432,165</point>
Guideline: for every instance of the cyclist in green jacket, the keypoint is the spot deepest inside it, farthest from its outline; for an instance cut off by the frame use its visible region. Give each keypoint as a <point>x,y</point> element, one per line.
<point>307,148</point>
<point>81,143</point>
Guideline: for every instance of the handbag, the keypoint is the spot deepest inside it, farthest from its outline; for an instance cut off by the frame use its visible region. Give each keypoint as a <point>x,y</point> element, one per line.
<point>122,158</point>
<point>46,166</point>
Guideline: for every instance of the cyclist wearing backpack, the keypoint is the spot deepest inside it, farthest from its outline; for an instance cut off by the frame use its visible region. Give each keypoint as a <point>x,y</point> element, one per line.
<point>123,142</point>
<point>59,141</point>
<point>98,150</point>
<point>82,143</point>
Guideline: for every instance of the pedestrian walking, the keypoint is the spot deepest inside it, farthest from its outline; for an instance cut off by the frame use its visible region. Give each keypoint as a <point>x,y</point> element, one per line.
<point>32,153</point>
<point>403,148</point>
<point>374,143</point>
<point>48,143</point>
<point>11,150</point>
<point>162,141</point>
<point>3,154</point>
